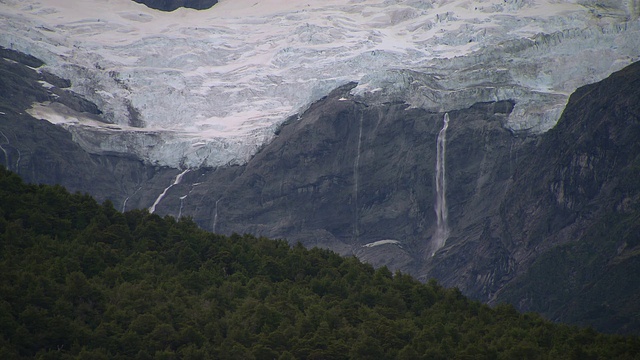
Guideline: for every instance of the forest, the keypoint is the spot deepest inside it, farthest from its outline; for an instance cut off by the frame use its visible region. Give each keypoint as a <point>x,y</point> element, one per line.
<point>81,280</point>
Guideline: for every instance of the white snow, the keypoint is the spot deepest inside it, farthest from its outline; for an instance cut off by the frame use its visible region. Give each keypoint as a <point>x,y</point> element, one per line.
<point>212,86</point>
<point>46,85</point>
<point>381,242</point>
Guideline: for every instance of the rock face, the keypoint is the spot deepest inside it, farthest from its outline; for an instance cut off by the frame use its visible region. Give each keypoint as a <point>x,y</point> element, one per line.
<point>170,5</point>
<point>349,174</point>
<point>572,219</point>
<point>547,222</point>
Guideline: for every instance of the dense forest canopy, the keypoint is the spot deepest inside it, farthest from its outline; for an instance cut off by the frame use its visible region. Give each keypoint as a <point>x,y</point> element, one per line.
<point>81,280</point>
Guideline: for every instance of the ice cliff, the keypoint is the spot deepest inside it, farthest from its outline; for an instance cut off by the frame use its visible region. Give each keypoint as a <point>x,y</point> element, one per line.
<point>208,88</point>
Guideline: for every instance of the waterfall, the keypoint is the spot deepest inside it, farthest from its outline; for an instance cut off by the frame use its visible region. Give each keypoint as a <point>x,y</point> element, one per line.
<point>356,179</point>
<point>181,204</point>
<point>124,204</point>
<point>177,181</point>
<point>215,217</point>
<point>442,229</point>
<point>6,156</point>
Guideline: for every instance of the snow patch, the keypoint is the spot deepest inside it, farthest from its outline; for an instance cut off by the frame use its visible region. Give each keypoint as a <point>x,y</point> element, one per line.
<point>46,85</point>
<point>382,242</point>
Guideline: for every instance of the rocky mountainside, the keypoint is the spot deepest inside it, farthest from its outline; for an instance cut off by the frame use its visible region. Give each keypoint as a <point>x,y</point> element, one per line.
<point>42,152</point>
<point>547,222</point>
<point>347,175</point>
<point>572,218</point>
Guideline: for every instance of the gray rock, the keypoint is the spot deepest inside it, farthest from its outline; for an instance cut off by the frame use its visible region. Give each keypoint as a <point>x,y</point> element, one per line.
<point>170,5</point>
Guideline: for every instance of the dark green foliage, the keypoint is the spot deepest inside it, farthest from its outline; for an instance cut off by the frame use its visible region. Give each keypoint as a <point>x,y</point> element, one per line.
<point>81,280</point>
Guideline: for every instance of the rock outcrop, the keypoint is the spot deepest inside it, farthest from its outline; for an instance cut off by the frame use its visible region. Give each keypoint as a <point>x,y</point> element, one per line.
<point>349,174</point>
<point>170,5</point>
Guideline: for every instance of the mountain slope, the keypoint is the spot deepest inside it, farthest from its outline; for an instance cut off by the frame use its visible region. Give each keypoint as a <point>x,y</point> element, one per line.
<point>354,171</point>
<point>359,179</point>
<point>348,174</point>
<point>82,280</point>
<point>564,241</point>
<point>588,206</point>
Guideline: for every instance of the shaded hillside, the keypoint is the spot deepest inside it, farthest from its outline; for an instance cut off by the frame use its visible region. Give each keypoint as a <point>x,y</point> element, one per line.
<point>574,213</point>
<point>347,174</point>
<point>81,280</point>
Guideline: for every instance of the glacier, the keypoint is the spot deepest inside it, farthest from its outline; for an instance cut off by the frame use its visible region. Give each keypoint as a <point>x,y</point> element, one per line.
<point>209,88</point>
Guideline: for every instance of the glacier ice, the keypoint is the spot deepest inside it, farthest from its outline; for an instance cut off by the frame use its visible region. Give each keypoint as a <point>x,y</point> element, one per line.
<point>208,88</point>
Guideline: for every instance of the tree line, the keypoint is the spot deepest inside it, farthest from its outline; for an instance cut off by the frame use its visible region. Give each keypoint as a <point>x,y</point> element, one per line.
<point>80,280</point>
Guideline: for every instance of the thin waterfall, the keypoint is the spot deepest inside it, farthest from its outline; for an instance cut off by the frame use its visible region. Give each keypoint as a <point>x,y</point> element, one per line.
<point>442,228</point>
<point>215,217</point>
<point>356,166</point>
<point>177,181</point>
<point>181,204</point>
<point>124,204</point>
<point>6,156</point>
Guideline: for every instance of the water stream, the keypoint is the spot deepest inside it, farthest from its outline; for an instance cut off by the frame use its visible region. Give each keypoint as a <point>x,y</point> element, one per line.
<point>175,182</point>
<point>215,217</point>
<point>442,228</point>
<point>356,179</point>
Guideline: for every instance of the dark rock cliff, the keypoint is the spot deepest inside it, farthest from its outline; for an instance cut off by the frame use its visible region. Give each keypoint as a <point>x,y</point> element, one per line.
<point>349,174</point>
<point>548,223</point>
<point>170,5</point>
<point>572,218</point>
